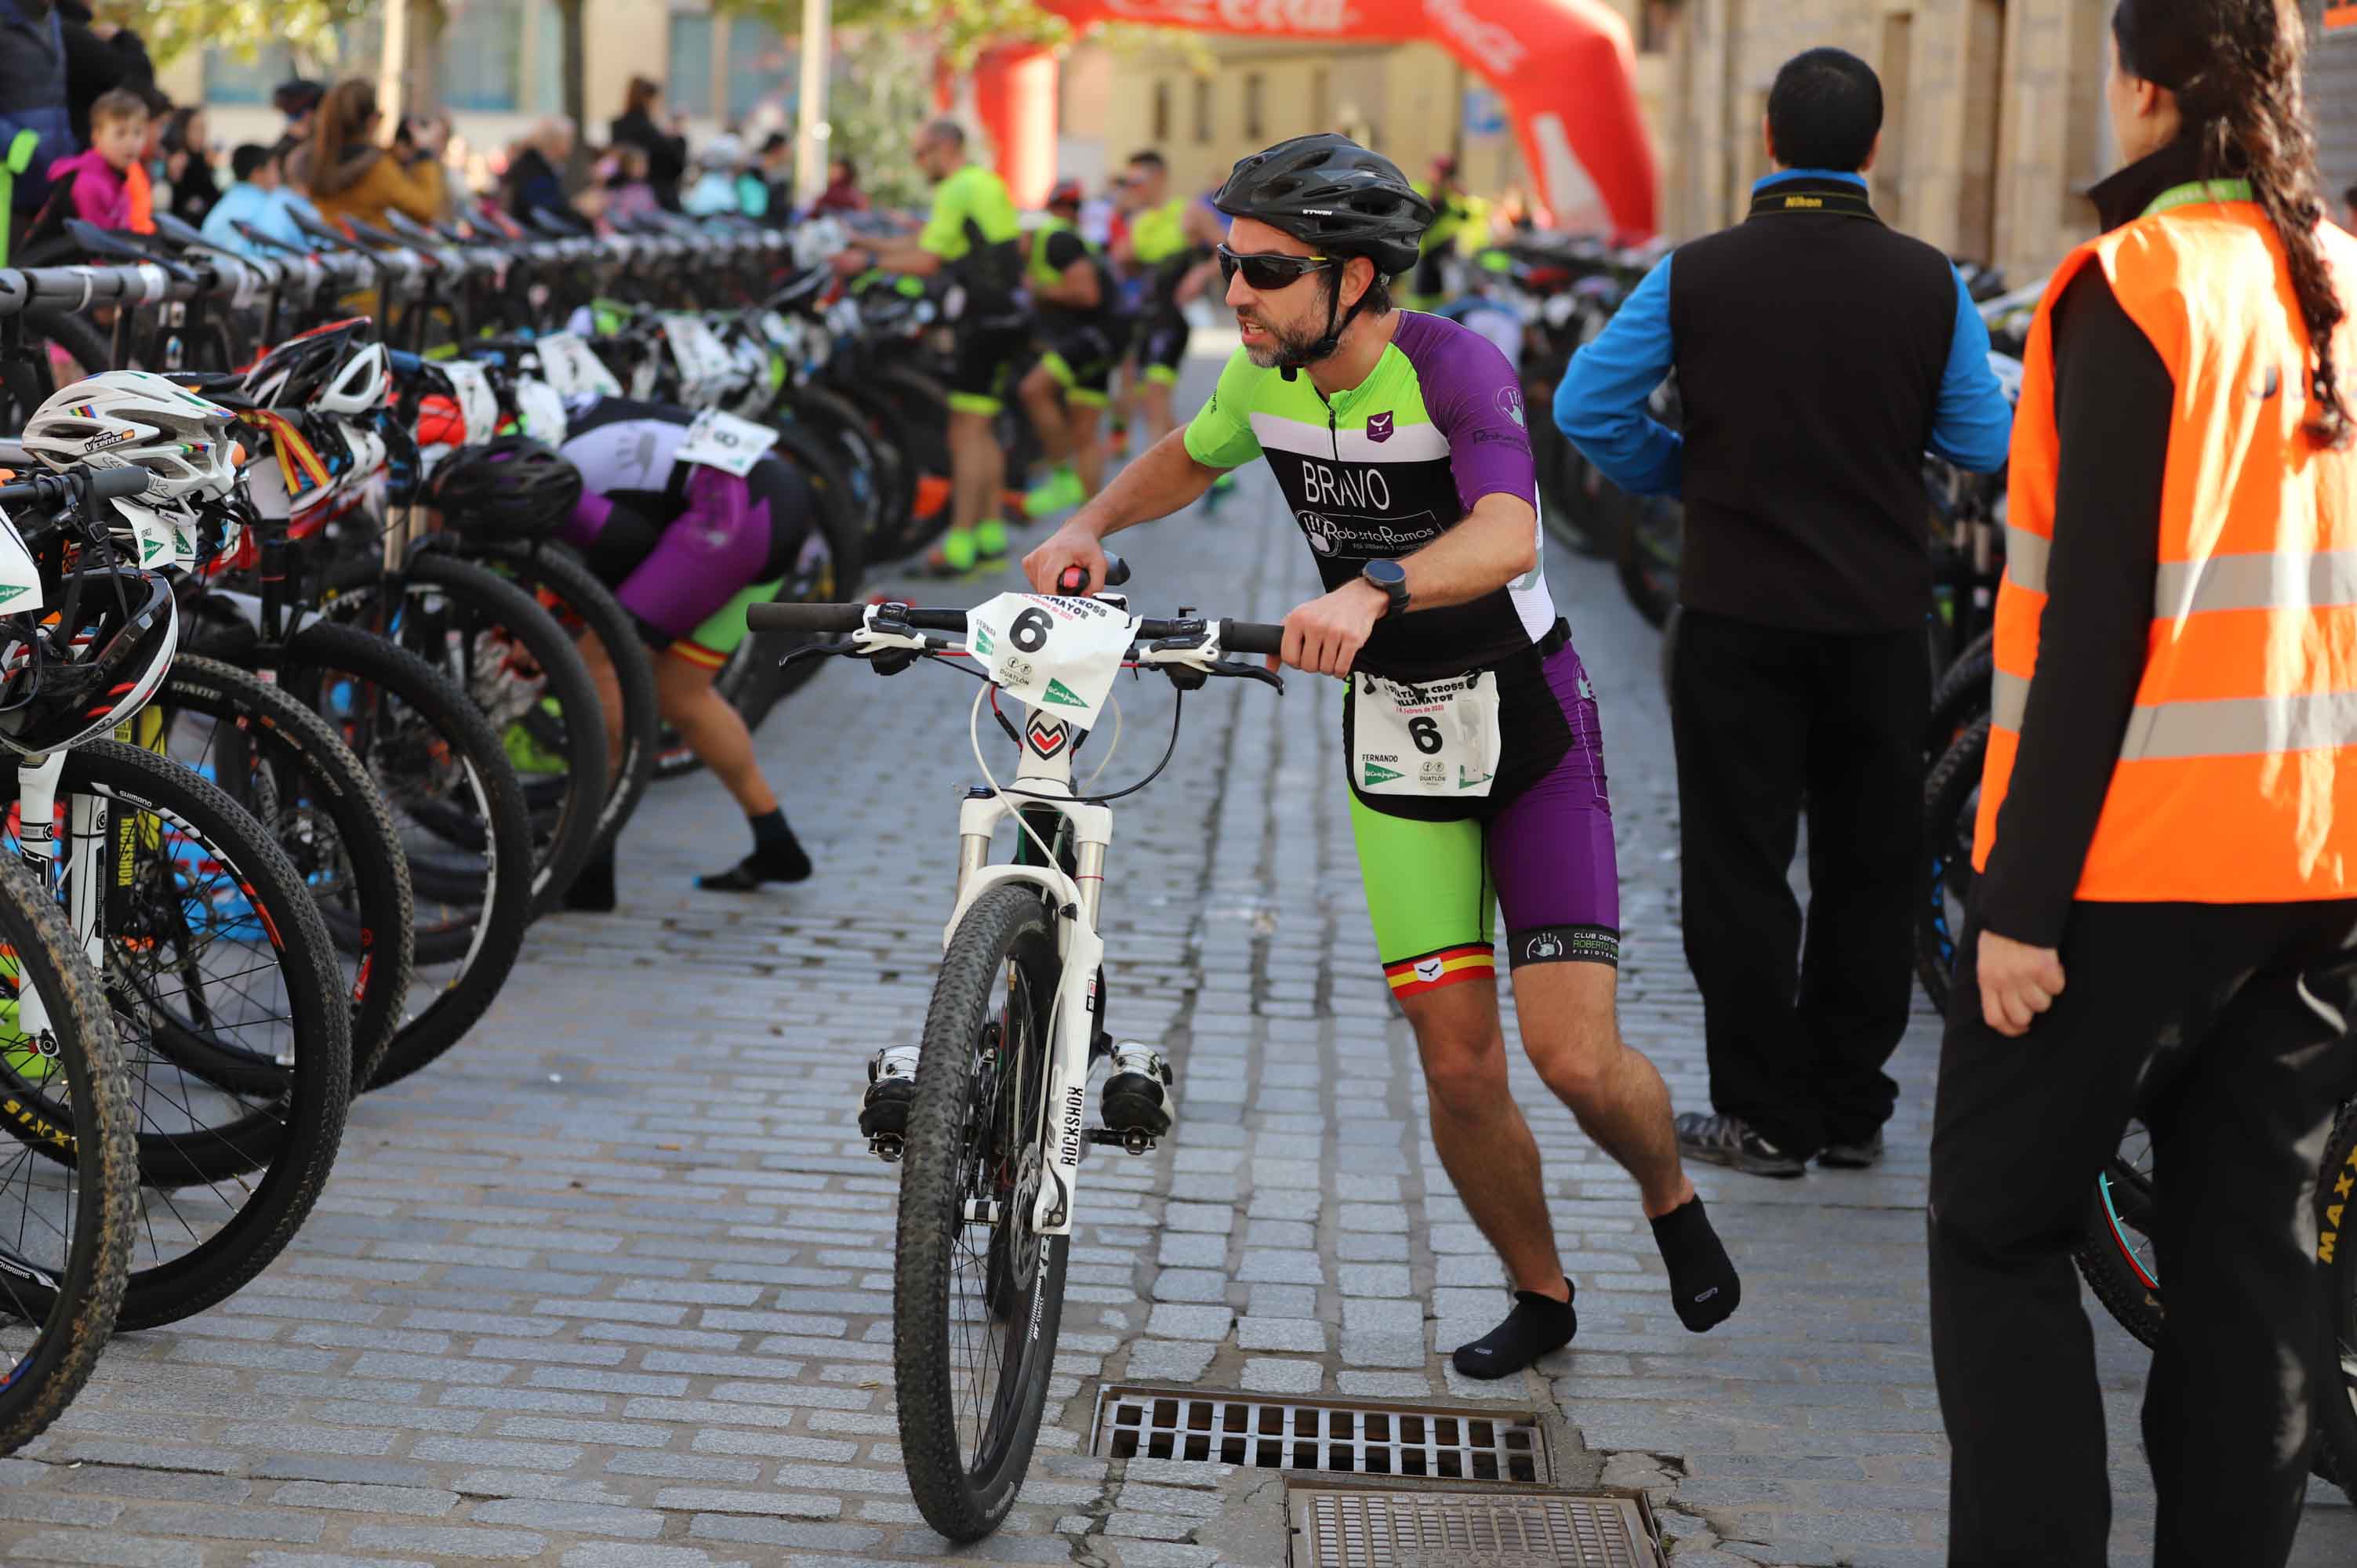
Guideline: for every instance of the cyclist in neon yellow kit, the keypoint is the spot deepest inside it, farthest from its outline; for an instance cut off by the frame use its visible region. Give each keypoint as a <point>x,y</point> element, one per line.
<point>1470,736</point>
<point>973,233</point>
<point>1170,239</point>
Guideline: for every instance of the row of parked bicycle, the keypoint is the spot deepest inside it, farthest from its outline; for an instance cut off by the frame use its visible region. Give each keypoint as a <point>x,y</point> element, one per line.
<point>302,738</point>
<point>1563,295</point>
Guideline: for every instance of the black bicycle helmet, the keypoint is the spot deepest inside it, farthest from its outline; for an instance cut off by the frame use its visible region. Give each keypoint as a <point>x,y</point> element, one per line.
<point>511,488</point>
<point>1327,190</point>
<point>65,685</point>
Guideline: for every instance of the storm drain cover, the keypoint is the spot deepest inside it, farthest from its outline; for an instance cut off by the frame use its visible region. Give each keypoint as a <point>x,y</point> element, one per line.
<point>1334,1529</point>
<point>1342,1436</point>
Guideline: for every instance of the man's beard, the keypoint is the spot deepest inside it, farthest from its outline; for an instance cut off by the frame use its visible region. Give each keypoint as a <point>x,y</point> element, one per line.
<point>1293,347</point>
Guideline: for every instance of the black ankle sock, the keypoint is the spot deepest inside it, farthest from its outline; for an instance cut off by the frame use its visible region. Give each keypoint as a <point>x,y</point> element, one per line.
<point>1703,1285</point>
<point>769,828</point>
<point>592,892</point>
<point>1537,1325</point>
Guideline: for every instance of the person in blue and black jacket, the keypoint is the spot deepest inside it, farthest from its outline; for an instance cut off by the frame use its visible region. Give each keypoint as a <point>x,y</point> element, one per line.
<point>1818,355</point>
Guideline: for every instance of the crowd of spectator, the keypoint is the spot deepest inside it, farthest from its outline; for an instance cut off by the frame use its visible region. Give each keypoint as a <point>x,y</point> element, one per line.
<point>86,132</point>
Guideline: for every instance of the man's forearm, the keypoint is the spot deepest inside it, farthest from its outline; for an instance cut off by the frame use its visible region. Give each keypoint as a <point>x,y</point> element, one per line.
<point>1496,544</point>
<point>914,260</point>
<point>1160,481</point>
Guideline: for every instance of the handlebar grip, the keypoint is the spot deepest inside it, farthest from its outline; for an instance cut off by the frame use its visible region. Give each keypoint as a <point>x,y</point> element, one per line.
<point>108,483</point>
<point>805,617</point>
<point>1250,636</point>
<point>1075,579</point>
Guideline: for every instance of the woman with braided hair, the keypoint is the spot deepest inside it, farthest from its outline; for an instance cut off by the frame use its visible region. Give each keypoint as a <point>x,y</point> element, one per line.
<point>2165,926</point>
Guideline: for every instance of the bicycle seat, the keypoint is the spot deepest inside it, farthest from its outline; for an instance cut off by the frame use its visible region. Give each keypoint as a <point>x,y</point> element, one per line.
<point>106,242</point>
<point>327,233</point>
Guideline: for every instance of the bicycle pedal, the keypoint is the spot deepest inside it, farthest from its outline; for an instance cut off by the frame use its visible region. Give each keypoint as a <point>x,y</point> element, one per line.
<point>888,1147</point>
<point>1128,1140</point>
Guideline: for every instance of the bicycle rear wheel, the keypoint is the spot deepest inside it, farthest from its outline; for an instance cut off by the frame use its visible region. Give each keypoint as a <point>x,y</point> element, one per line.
<point>226,997</point>
<point>978,1296</point>
<point>67,1254</point>
<point>284,764</point>
<point>2116,1255</point>
<point>455,802</point>
<point>1951,808</point>
<point>2336,1253</point>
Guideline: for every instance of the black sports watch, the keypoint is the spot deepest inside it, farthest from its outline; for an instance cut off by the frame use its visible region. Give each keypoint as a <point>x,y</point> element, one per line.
<point>1391,578</point>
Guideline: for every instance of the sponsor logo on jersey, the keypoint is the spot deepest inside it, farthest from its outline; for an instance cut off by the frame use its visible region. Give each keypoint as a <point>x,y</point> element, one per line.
<point>1429,970</point>
<point>1543,946</point>
<point>1379,426</point>
<point>1510,403</point>
<point>1319,532</point>
<point>1360,489</point>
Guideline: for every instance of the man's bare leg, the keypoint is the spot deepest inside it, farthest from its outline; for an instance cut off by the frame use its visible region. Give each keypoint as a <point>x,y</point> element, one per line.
<point>1482,1140</point>
<point>1572,1035</point>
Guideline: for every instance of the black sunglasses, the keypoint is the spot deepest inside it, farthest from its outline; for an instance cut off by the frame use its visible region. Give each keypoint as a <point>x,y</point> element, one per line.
<point>1268,271</point>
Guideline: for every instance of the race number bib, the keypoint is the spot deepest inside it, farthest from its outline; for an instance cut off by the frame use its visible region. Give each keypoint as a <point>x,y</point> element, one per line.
<point>1438,740</point>
<point>574,368</point>
<point>155,543</point>
<point>725,442</point>
<point>20,580</point>
<point>1058,655</point>
<point>479,406</point>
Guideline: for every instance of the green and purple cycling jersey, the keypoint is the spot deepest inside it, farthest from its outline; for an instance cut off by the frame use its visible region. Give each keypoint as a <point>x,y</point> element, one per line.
<point>1378,472</point>
<point>686,546</point>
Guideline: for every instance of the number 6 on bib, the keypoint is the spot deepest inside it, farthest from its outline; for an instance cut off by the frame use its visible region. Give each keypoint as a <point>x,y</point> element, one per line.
<point>1438,740</point>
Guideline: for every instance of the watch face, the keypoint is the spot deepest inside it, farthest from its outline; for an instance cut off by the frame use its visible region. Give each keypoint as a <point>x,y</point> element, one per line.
<point>1385,574</point>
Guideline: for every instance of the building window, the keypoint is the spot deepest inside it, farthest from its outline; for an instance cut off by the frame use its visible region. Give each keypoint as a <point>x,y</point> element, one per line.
<point>1253,131</point>
<point>1202,108</point>
<point>760,68</point>
<point>482,56</point>
<point>229,80</point>
<point>689,92</point>
<point>1161,111</point>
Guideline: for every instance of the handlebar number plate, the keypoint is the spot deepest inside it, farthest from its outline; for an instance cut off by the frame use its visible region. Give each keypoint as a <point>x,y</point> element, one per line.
<point>574,368</point>
<point>721,440</point>
<point>1055,654</point>
<point>20,580</point>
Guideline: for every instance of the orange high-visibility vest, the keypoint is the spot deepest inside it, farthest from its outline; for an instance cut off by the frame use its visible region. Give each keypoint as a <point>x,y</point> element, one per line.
<point>2238,776</point>
<point>141,191</point>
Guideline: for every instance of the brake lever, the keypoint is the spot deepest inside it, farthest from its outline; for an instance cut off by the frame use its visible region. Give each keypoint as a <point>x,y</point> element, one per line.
<point>1250,672</point>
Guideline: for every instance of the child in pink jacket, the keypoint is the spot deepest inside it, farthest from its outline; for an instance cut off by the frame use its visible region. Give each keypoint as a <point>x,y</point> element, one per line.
<point>118,129</point>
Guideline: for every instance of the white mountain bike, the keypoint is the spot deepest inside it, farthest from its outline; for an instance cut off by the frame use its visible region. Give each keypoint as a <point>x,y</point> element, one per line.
<point>999,1119</point>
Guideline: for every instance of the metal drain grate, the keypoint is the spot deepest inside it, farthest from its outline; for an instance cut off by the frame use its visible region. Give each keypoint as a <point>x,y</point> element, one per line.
<point>1466,1530</point>
<point>1341,1436</point>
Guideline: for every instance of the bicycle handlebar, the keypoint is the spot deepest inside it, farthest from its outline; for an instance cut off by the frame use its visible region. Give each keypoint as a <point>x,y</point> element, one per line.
<point>48,490</point>
<point>1235,636</point>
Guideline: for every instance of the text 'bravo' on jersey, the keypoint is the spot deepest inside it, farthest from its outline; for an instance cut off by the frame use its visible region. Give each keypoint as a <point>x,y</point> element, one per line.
<point>1382,470</point>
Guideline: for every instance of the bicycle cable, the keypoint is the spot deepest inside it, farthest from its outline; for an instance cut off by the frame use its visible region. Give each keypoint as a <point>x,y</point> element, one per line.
<point>973,738</point>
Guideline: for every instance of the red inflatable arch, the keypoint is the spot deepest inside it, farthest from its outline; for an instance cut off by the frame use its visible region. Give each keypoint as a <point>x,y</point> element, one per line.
<point>1564,68</point>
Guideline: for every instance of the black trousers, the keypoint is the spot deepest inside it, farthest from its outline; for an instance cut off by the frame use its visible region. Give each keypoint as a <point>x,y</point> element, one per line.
<point>1797,1034</point>
<point>2224,1027</point>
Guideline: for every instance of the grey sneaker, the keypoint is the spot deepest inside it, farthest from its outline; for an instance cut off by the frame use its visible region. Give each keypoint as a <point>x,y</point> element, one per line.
<point>1857,1156</point>
<point>1730,1141</point>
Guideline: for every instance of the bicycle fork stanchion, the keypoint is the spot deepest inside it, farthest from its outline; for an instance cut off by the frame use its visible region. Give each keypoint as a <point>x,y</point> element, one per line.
<point>36,811</point>
<point>1045,779</point>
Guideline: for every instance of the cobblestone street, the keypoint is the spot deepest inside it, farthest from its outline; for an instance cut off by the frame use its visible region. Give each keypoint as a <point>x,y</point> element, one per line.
<point>610,1286</point>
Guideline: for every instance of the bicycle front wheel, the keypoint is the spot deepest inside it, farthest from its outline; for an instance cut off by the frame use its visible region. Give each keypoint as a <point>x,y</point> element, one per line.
<point>65,1250</point>
<point>978,1295</point>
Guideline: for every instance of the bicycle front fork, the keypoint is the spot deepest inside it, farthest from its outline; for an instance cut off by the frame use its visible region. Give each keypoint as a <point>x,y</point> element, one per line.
<point>36,811</point>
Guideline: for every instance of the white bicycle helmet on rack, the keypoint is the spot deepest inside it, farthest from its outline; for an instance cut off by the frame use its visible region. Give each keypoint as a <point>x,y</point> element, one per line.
<point>339,367</point>
<point>185,442</point>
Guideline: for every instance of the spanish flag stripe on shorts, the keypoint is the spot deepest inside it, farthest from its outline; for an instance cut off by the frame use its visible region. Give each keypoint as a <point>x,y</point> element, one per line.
<point>695,653</point>
<point>1414,976</point>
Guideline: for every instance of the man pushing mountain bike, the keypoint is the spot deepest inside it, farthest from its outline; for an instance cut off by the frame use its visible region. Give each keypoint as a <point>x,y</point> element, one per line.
<point>1470,734</point>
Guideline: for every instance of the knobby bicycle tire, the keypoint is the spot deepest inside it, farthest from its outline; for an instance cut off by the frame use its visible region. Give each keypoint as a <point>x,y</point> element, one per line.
<point>565,834</point>
<point>73,1318</point>
<point>553,572</point>
<point>1948,793</point>
<point>977,1115</point>
<point>2336,1253</point>
<point>924,407</point>
<point>486,937</point>
<point>1960,694</point>
<point>364,899</point>
<point>886,431</point>
<point>290,1139</point>
<point>842,431</point>
<point>2120,1217</point>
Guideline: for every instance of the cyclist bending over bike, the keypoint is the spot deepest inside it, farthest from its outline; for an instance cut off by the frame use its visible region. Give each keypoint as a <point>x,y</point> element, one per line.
<point>1082,334</point>
<point>686,546</point>
<point>1470,734</point>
